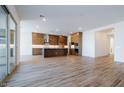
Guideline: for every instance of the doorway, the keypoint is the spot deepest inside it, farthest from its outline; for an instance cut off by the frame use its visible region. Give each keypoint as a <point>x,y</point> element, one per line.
<point>104,43</point>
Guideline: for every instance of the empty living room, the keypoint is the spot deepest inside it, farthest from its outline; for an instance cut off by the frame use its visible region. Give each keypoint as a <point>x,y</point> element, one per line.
<point>61,45</point>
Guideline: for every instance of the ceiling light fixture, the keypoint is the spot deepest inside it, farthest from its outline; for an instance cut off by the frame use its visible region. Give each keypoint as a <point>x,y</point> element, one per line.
<point>37,26</point>
<point>43,18</point>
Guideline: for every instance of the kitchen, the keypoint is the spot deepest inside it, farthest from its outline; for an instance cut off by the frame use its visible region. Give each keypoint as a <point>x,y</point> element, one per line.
<point>51,45</point>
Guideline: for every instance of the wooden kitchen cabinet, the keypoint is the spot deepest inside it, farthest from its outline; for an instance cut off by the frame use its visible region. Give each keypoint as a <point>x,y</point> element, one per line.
<point>63,40</point>
<point>37,38</point>
<point>37,51</point>
<point>53,39</point>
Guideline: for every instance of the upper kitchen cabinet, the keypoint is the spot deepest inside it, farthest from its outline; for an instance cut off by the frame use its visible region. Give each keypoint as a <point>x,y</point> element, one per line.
<point>63,40</point>
<point>37,38</point>
<point>53,39</point>
<point>75,37</point>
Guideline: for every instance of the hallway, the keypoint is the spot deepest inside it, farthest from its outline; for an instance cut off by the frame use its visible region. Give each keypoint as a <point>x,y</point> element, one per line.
<point>70,71</point>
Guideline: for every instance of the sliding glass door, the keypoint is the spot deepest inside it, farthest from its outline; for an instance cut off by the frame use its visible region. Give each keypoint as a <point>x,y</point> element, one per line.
<point>3,44</point>
<point>12,43</point>
<point>7,43</point>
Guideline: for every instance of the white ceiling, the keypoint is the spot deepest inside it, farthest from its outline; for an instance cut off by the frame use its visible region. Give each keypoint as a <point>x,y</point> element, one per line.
<point>71,18</point>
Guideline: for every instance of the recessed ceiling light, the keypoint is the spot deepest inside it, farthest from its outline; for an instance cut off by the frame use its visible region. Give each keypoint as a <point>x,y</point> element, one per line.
<point>57,29</point>
<point>80,28</point>
<point>44,19</point>
<point>37,26</point>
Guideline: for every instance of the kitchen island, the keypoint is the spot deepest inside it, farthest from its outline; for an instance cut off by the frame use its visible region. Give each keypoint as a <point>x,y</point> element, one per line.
<point>54,52</point>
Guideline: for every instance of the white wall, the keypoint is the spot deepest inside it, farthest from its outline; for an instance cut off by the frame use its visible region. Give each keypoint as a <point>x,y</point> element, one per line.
<point>119,42</point>
<point>102,44</point>
<point>88,44</point>
<point>26,42</point>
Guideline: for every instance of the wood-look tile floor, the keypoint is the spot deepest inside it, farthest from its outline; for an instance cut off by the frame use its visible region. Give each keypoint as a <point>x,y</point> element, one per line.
<point>70,71</point>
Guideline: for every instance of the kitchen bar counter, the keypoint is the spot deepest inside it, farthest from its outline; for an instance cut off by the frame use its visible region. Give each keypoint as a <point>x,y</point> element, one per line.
<point>54,52</point>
